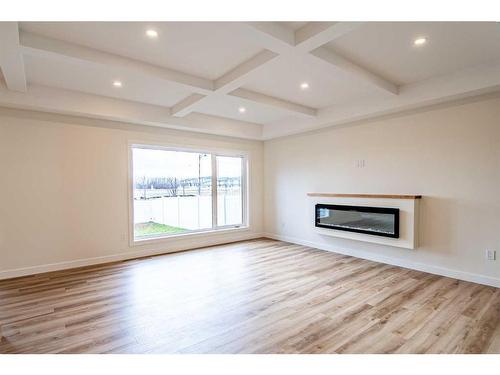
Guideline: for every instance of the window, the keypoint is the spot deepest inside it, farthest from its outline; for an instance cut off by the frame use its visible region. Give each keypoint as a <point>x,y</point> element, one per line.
<point>177,191</point>
<point>229,192</point>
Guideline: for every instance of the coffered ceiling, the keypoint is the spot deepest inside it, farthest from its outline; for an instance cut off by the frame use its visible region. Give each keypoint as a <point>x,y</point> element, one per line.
<point>256,80</point>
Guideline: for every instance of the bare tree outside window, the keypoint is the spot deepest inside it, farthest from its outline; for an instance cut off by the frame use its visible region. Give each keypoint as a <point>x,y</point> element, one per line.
<point>172,186</point>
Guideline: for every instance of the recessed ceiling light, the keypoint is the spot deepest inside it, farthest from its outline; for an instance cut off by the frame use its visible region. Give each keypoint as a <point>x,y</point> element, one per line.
<point>242,109</point>
<point>304,85</point>
<point>420,41</point>
<point>152,33</point>
<point>117,83</point>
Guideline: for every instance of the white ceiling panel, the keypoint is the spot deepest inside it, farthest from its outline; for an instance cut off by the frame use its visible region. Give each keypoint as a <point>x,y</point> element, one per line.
<point>328,85</point>
<point>293,25</point>
<point>99,80</point>
<point>204,49</point>
<point>228,106</point>
<point>387,48</point>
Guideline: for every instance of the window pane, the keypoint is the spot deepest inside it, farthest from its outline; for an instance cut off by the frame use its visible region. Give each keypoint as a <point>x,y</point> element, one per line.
<point>172,192</point>
<point>229,191</point>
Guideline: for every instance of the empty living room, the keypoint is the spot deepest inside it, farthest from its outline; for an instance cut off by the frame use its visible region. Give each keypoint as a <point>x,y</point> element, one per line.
<point>187,180</point>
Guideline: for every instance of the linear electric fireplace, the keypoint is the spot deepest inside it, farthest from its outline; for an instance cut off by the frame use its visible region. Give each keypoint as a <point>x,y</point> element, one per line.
<point>378,221</point>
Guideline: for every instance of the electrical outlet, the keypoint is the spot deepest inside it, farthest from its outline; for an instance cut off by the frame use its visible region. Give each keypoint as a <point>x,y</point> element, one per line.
<point>360,163</point>
<point>491,254</point>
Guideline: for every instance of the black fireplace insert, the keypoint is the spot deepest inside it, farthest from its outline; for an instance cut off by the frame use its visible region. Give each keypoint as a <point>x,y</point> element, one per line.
<point>378,221</point>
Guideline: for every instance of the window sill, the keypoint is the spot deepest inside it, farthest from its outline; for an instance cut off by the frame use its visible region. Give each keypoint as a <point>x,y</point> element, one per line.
<point>210,232</point>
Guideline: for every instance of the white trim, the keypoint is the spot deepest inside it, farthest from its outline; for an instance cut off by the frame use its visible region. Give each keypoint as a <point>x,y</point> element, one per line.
<point>187,235</point>
<point>215,172</point>
<point>186,147</point>
<point>441,271</point>
<point>130,195</point>
<point>50,267</point>
<point>245,192</point>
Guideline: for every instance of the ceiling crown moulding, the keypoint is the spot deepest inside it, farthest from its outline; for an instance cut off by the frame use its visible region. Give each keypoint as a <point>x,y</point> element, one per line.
<point>212,105</point>
<point>46,99</point>
<point>11,58</point>
<point>467,83</point>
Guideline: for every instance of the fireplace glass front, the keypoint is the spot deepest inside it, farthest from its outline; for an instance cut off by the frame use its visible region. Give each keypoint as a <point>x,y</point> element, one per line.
<point>378,221</point>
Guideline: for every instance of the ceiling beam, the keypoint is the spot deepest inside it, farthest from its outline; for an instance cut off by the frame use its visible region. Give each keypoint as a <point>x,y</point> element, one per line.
<point>271,35</point>
<point>230,81</point>
<point>274,102</point>
<point>344,64</point>
<point>282,40</point>
<point>11,58</point>
<point>240,74</point>
<point>184,107</point>
<point>315,34</point>
<point>38,45</point>
<point>308,41</point>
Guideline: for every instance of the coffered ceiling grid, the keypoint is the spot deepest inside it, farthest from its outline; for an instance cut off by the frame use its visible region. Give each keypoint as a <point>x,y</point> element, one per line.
<point>279,42</point>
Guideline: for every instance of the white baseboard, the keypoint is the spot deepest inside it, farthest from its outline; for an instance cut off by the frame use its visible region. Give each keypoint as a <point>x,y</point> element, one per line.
<point>442,271</point>
<point>160,249</point>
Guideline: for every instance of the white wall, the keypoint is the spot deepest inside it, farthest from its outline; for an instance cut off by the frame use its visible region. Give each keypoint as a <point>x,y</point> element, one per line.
<point>450,155</point>
<point>64,190</point>
<point>63,184</point>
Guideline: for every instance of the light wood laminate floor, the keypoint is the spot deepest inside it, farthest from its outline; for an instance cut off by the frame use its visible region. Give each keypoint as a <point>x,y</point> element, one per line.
<point>260,296</point>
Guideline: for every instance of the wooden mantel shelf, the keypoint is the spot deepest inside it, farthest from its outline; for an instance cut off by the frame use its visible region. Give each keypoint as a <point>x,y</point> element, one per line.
<point>383,196</point>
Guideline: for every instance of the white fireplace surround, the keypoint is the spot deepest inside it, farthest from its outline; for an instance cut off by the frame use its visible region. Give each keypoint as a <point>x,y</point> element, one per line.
<point>408,216</point>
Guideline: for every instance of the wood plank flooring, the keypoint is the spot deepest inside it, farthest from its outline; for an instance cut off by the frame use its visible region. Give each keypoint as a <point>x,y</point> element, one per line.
<point>260,296</point>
